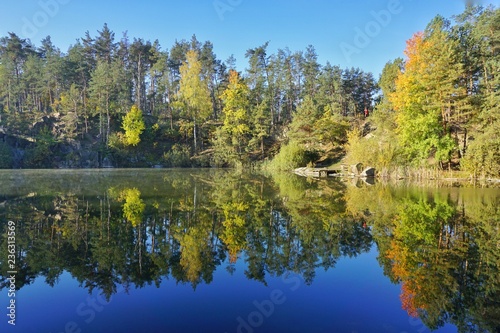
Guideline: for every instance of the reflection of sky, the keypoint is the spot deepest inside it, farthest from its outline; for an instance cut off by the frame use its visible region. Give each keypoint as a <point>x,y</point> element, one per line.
<point>352,297</point>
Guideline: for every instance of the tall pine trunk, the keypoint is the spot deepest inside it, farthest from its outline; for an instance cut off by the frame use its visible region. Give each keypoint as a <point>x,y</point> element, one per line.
<point>194,134</point>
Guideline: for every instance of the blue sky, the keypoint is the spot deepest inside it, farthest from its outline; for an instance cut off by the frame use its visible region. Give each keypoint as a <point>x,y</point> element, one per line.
<point>349,33</point>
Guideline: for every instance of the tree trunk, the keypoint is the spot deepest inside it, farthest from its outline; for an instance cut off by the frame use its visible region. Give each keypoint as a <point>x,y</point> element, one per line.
<point>139,84</point>
<point>465,143</point>
<point>108,120</point>
<point>194,134</point>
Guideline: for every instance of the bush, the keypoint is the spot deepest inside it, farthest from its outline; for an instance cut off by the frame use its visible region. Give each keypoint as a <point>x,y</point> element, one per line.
<point>379,150</point>
<point>483,155</point>
<point>291,156</point>
<point>178,156</point>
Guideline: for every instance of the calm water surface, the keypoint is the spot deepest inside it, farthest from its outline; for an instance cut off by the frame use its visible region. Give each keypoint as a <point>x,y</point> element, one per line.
<point>219,251</point>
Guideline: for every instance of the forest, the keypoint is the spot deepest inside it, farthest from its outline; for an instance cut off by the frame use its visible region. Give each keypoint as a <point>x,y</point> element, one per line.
<point>128,102</point>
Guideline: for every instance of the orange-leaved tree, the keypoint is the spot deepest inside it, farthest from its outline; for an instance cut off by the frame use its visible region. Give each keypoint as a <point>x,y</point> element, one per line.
<point>427,94</point>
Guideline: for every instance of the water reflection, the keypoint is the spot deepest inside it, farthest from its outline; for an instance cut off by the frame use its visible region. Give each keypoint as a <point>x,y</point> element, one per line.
<point>443,247</point>
<point>135,228</point>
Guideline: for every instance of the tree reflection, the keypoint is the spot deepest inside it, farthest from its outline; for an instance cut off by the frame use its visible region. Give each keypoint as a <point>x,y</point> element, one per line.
<point>441,245</point>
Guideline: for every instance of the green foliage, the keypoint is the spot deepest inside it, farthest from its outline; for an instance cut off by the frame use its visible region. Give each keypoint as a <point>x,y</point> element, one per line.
<point>41,153</point>
<point>302,128</point>
<point>425,100</point>
<point>133,124</point>
<point>106,93</point>
<point>259,126</point>
<point>379,150</point>
<point>390,72</point>
<point>6,156</point>
<point>178,156</point>
<point>70,106</point>
<point>421,137</point>
<point>224,153</point>
<point>425,93</point>
<point>442,97</point>
<point>331,128</point>
<point>291,156</point>
<point>231,139</point>
<point>117,141</point>
<point>483,154</point>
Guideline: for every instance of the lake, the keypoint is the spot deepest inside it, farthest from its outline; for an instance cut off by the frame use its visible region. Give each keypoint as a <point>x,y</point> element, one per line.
<point>220,251</point>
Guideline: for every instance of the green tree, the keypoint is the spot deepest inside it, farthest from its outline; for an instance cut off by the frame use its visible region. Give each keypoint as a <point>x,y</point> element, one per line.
<point>482,157</point>
<point>260,126</point>
<point>231,139</point>
<point>70,106</point>
<point>426,93</point>
<point>139,63</point>
<point>259,82</point>
<point>302,127</point>
<point>105,88</point>
<point>331,128</point>
<point>390,73</point>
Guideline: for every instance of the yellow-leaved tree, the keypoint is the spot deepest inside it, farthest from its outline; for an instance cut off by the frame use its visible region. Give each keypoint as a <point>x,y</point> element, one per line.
<point>194,94</point>
<point>427,95</point>
<point>133,124</point>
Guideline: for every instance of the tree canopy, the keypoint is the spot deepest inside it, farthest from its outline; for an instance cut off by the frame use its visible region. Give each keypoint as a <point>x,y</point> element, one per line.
<point>436,108</point>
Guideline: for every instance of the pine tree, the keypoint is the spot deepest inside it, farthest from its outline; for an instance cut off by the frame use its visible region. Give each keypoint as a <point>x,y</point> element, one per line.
<point>231,139</point>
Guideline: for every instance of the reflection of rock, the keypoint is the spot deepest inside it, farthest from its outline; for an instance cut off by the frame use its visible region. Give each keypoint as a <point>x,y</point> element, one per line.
<point>369,180</point>
<point>356,168</point>
<point>368,172</point>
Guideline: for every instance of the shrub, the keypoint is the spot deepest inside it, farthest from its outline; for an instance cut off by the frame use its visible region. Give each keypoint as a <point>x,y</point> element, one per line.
<point>379,150</point>
<point>291,156</point>
<point>178,156</point>
<point>483,155</point>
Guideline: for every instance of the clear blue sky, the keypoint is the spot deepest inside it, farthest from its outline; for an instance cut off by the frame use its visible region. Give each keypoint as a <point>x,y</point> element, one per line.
<point>333,27</point>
